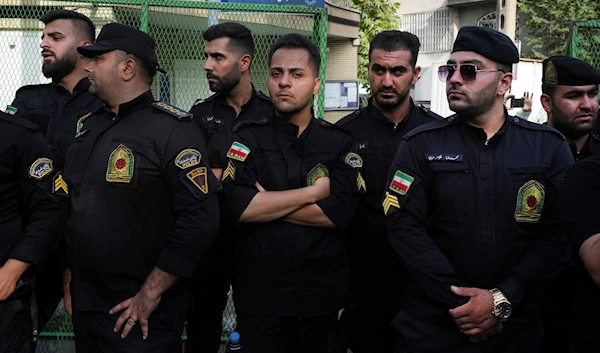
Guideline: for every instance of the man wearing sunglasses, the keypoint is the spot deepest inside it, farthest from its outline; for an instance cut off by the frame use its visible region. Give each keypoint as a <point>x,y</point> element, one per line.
<point>469,208</point>
<point>376,276</point>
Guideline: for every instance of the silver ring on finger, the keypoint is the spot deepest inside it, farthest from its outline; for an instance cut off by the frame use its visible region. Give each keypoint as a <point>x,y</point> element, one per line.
<point>131,321</point>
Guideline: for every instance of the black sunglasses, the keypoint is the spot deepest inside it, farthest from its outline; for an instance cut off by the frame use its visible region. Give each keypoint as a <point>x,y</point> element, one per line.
<point>468,72</point>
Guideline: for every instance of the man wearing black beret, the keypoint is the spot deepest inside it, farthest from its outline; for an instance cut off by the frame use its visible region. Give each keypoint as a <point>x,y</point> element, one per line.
<point>570,97</point>
<point>144,207</point>
<point>470,212</point>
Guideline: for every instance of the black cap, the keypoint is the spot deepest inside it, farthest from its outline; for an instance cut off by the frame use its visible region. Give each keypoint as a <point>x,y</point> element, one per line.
<point>568,71</point>
<point>119,36</point>
<point>485,41</point>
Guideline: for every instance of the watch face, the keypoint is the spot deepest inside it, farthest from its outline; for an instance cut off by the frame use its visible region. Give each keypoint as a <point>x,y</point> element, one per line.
<point>504,310</point>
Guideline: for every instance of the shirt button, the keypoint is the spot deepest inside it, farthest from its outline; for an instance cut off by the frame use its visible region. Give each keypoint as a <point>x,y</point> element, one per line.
<point>515,120</point>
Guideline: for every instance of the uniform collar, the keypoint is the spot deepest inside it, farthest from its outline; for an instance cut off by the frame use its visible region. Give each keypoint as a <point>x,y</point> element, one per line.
<point>290,129</point>
<point>479,133</point>
<point>83,85</point>
<point>378,115</point>
<point>221,99</point>
<point>141,102</point>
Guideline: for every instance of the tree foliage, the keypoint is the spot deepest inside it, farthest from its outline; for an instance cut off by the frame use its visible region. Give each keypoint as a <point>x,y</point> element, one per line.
<point>549,20</point>
<point>376,16</point>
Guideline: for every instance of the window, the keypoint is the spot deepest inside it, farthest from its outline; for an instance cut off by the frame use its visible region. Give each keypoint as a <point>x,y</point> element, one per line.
<point>434,29</point>
<point>488,20</point>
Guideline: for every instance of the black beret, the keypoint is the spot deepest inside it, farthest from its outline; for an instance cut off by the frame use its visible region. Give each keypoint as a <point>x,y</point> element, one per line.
<point>119,36</point>
<point>485,41</point>
<point>568,71</point>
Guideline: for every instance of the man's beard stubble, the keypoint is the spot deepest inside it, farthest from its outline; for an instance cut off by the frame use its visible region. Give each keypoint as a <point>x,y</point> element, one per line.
<point>570,130</point>
<point>227,82</point>
<point>60,68</point>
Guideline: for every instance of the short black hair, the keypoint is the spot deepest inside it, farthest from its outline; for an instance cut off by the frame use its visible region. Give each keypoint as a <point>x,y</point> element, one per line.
<point>504,67</point>
<point>85,27</point>
<point>393,40</point>
<point>298,41</point>
<point>240,37</point>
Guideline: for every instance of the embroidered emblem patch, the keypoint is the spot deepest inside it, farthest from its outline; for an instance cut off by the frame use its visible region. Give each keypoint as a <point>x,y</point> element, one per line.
<point>388,202</point>
<point>40,168</point>
<point>238,151</point>
<point>11,110</point>
<point>360,184</point>
<point>530,202</point>
<point>354,160</point>
<point>60,186</point>
<point>317,172</point>
<point>188,158</point>
<point>550,75</point>
<point>80,123</point>
<point>120,165</point>
<point>198,177</point>
<point>229,172</point>
<point>401,182</point>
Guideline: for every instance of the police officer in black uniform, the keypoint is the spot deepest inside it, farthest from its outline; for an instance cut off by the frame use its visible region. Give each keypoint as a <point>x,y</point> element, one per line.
<point>33,211</point>
<point>292,181</point>
<point>376,275</point>
<point>229,52</point>
<point>144,205</point>
<point>470,204</point>
<point>570,97</point>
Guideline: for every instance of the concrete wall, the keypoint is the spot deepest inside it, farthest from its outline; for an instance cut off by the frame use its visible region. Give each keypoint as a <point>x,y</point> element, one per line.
<point>469,15</point>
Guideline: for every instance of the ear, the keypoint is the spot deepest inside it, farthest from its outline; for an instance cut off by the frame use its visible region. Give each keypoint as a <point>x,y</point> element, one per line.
<point>416,75</point>
<point>504,84</point>
<point>546,103</point>
<point>317,85</point>
<point>245,62</point>
<point>85,43</point>
<point>127,69</point>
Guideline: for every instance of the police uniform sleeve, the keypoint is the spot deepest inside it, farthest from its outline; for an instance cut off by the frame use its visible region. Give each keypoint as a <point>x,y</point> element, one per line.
<point>551,250</point>
<point>18,107</point>
<point>46,205</point>
<point>405,205</point>
<point>193,189</point>
<point>239,176</point>
<point>346,182</point>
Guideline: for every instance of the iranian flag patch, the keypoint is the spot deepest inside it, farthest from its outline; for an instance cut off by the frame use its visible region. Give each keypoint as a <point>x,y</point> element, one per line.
<point>238,151</point>
<point>401,182</point>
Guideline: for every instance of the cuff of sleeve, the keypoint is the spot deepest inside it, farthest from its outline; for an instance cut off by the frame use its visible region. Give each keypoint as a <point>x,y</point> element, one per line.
<point>241,199</point>
<point>512,289</point>
<point>176,265</point>
<point>335,211</point>
<point>26,256</point>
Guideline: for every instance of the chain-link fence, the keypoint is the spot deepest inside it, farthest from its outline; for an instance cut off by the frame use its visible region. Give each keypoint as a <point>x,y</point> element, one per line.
<point>584,42</point>
<point>177,27</point>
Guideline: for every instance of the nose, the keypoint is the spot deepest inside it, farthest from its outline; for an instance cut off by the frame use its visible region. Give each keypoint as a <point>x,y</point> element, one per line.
<point>387,80</point>
<point>285,80</point>
<point>89,66</point>
<point>44,42</point>
<point>588,103</point>
<point>455,77</point>
<point>208,65</point>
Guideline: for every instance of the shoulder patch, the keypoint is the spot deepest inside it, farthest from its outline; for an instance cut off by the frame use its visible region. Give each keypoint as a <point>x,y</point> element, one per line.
<point>348,118</point>
<point>10,110</point>
<point>516,121</point>
<point>238,151</point>
<point>241,124</point>
<point>401,182</point>
<point>199,178</point>
<point>354,160</point>
<point>172,110</point>
<point>17,120</point>
<point>434,125</point>
<point>40,168</point>
<point>188,158</point>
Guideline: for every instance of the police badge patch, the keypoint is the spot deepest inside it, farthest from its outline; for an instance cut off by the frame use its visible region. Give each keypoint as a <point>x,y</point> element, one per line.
<point>354,160</point>
<point>530,202</point>
<point>188,158</point>
<point>317,172</point>
<point>198,177</point>
<point>40,168</point>
<point>120,165</point>
<point>79,126</point>
<point>551,75</point>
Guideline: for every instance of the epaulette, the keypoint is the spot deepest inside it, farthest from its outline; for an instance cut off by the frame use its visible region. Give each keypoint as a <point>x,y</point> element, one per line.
<point>434,125</point>
<point>262,121</point>
<point>28,87</point>
<point>172,110</point>
<point>348,118</point>
<point>430,113</point>
<point>516,121</point>
<point>263,96</point>
<point>19,121</point>
<point>345,129</point>
<point>204,100</point>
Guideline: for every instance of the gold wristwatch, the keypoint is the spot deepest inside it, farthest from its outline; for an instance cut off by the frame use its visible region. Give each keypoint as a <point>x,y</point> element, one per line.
<point>502,307</point>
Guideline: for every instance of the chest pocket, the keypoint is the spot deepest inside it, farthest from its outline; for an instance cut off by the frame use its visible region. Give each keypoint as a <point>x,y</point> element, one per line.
<point>130,160</point>
<point>272,172</point>
<point>451,181</point>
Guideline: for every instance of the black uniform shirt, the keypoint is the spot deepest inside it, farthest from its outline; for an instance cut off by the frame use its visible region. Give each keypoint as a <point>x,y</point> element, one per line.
<point>282,268</point>
<point>143,196</point>
<point>56,111</point>
<point>591,147</point>
<point>216,119</point>
<point>466,211</point>
<point>373,263</point>
<point>33,203</point>
<point>578,209</point>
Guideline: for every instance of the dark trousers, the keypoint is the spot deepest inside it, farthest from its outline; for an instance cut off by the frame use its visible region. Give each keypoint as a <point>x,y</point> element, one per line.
<point>205,319</point>
<point>94,332</point>
<point>15,327</point>
<point>283,334</point>
<point>415,336</point>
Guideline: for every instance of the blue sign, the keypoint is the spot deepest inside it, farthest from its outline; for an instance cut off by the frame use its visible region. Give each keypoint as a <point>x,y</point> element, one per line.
<point>311,3</point>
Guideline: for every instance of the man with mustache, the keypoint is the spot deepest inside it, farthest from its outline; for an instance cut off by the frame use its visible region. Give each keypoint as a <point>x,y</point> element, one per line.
<point>470,208</point>
<point>56,107</point>
<point>570,97</point>
<point>229,51</point>
<point>376,275</point>
<point>292,181</point>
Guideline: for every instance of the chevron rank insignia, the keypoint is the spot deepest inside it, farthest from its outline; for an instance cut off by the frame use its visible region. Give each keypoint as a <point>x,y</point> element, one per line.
<point>390,202</point>
<point>60,186</point>
<point>188,158</point>
<point>229,172</point>
<point>360,184</point>
<point>40,168</point>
